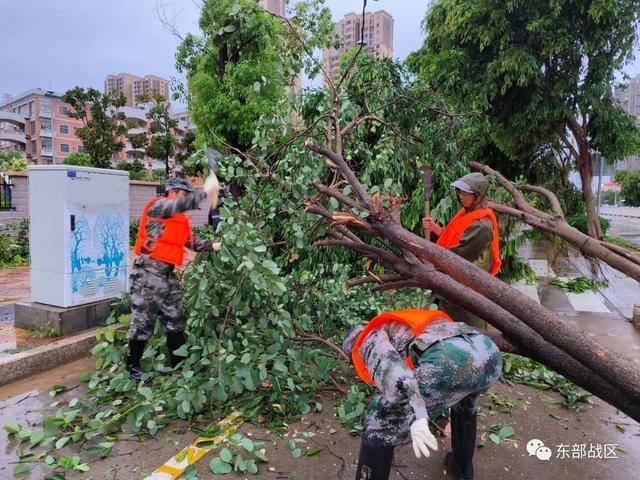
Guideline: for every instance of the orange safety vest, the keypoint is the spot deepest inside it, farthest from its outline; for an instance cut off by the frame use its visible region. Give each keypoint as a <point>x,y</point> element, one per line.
<point>450,237</point>
<point>418,320</point>
<point>169,248</point>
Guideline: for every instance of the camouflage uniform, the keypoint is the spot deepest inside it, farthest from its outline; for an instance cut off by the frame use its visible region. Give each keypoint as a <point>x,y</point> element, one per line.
<point>154,288</point>
<point>454,362</point>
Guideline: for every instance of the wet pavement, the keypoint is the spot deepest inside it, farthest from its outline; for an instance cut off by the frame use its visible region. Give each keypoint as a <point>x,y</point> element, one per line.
<point>14,285</point>
<point>535,415</point>
<point>571,437</point>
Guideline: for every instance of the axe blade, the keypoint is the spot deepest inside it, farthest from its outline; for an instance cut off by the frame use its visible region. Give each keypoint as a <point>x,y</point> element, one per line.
<point>426,177</point>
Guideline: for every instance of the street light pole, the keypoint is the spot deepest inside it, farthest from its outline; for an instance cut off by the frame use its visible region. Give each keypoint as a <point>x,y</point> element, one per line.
<point>599,184</point>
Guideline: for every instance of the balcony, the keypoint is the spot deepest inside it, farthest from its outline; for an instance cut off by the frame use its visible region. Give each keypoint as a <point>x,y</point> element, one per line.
<point>15,136</point>
<point>13,118</point>
<point>46,132</point>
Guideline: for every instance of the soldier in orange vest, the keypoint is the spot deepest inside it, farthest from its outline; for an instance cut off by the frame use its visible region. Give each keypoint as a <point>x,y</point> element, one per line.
<point>472,234</point>
<point>163,235</point>
<point>422,363</point>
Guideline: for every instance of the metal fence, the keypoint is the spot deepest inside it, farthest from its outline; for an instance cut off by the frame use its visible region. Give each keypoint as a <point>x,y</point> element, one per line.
<point>5,195</point>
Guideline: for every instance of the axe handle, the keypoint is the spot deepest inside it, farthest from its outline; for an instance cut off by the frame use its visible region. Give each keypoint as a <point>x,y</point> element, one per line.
<point>427,213</point>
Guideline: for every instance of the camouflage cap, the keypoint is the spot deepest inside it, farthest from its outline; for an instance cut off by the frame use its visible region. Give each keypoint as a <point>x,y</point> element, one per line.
<point>178,184</point>
<point>473,183</point>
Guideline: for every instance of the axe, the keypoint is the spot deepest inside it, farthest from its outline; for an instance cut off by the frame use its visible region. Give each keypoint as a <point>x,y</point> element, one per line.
<point>426,179</point>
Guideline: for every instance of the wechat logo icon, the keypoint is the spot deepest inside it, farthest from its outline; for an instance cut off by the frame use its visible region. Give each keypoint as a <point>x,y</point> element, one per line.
<point>536,447</point>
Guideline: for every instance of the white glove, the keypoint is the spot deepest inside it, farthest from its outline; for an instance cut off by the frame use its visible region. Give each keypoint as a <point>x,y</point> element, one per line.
<point>212,187</point>
<point>422,438</point>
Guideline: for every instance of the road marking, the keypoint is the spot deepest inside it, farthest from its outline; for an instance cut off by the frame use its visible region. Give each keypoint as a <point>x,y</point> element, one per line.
<point>176,465</point>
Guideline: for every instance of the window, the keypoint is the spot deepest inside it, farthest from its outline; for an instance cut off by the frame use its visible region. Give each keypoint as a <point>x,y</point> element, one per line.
<point>64,129</point>
<point>63,110</point>
<point>64,147</point>
<point>80,148</point>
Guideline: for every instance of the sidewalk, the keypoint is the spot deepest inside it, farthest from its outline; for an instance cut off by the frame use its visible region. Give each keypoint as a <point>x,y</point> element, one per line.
<point>535,414</point>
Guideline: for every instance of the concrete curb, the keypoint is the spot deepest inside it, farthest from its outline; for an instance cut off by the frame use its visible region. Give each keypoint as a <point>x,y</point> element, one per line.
<point>45,357</point>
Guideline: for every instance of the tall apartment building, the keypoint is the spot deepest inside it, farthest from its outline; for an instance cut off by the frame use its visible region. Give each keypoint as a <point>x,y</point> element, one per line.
<point>629,99</point>
<point>279,7</point>
<point>36,123</point>
<point>132,86</point>
<point>377,38</point>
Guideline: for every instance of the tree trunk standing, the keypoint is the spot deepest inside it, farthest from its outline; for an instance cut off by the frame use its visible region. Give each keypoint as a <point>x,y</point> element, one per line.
<point>585,168</point>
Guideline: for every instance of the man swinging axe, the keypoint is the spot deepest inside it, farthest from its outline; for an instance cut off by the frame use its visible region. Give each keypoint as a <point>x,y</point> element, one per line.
<point>421,362</point>
<point>163,234</point>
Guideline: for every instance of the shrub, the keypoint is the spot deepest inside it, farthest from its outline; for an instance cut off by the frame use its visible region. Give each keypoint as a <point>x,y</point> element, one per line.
<point>580,222</point>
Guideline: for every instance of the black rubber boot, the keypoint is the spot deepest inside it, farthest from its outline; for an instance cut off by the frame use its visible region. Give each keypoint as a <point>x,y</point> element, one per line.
<point>136,348</point>
<point>174,341</point>
<point>463,443</point>
<point>374,462</point>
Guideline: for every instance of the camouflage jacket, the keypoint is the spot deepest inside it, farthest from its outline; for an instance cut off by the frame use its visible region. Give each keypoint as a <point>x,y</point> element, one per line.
<point>384,352</point>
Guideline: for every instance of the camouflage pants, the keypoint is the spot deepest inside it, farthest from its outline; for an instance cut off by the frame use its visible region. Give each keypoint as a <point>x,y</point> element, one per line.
<point>451,373</point>
<point>155,293</point>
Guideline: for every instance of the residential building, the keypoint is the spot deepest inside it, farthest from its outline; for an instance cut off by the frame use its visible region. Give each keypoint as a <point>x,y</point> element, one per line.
<point>377,36</point>
<point>279,7</point>
<point>132,85</point>
<point>629,99</point>
<point>37,124</point>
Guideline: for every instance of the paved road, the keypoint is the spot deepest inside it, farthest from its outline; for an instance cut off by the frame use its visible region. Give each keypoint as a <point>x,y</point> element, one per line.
<point>625,222</point>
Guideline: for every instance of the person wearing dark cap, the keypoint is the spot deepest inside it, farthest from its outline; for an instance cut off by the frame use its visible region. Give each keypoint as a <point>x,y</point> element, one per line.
<point>472,234</point>
<point>163,234</point>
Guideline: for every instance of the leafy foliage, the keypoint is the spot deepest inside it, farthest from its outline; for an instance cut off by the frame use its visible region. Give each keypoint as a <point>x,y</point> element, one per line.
<point>159,142</point>
<point>631,189</point>
<point>540,74</point>
<point>578,284</point>
<point>580,222</point>
<point>103,123</point>
<point>14,243</point>
<point>79,159</point>
<point>12,162</point>
<point>517,369</point>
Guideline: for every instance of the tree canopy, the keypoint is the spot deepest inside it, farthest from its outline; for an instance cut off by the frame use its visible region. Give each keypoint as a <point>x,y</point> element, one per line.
<point>541,73</point>
<point>103,123</point>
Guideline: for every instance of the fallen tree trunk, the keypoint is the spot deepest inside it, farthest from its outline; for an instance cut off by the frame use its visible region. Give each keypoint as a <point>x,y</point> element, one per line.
<point>524,322</point>
<point>613,255</point>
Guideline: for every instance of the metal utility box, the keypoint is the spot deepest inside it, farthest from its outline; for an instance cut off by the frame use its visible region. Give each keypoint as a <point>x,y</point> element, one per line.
<point>78,235</point>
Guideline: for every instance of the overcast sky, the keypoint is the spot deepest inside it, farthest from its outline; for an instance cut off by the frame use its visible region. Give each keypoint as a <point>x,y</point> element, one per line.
<point>63,43</point>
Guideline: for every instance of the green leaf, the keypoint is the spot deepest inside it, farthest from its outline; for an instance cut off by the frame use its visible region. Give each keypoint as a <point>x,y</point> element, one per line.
<point>296,453</point>
<point>12,428</point>
<point>226,455</point>
<point>314,451</point>
<point>146,392</point>
<point>495,438</point>
<point>21,468</point>
<point>260,248</point>
<point>62,441</point>
<point>219,466</point>
<point>183,351</point>
<point>506,432</point>
<point>85,376</point>
<point>251,467</point>
<point>247,444</point>
<point>229,28</point>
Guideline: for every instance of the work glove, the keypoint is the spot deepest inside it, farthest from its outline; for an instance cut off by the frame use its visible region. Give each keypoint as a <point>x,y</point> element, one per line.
<point>212,187</point>
<point>422,438</point>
